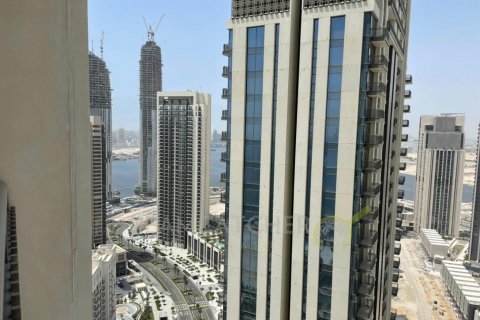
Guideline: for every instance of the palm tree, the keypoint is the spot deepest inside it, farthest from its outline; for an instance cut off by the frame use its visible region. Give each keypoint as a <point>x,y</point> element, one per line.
<point>185,281</point>
<point>156,251</point>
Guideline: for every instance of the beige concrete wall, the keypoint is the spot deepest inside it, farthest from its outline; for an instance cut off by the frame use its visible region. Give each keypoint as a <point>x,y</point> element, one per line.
<point>45,152</point>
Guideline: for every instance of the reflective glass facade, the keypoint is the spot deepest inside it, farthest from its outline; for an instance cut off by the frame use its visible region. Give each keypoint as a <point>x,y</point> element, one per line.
<point>334,88</point>
<point>251,173</point>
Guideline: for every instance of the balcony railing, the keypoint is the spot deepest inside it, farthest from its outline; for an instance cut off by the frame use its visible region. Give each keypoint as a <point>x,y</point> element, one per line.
<point>223,198</point>
<point>405,123</point>
<point>395,275</point>
<point>398,222</point>
<point>408,94</point>
<point>225,72</point>
<point>396,261</point>
<point>366,288</point>
<point>403,152</point>
<point>398,234</point>
<point>365,312</point>
<point>378,63</point>
<point>225,93</point>
<point>401,194</point>
<point>372,165</point>
<point>406,108</point>
<point>377,89</point>
<point>404,137</point>
<point>375,114</point>
<point>368,264</point>
<point>374,140</point>
<point>225,136</point>
<point>408,79</point>
<point>400,208</point>
<point>370,240</point>
<point>398,248</point>
<point>226,50</point>
<point>403,166</point>
<point>224,157</point>
<point>371,216</point>
<point>225,115</point>
<point>401,180</point>
<point>371,189</point>
<point>223,177</point>
<point>394,289</point>
<point>378,37</point>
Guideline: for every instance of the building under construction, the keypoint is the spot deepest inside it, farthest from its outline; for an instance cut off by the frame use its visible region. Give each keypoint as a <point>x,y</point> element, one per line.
<point>101,106</point>
<point>150,84</point>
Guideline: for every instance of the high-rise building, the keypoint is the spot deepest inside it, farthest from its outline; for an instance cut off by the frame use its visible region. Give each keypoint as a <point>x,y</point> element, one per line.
<point>101,106</point>
<point>104,260</point>
<point>440,166</point>
<point>121,137</point>
<point>315,114</point>
<point>99,164</point>
<point>150,84</point>
<point>45,161</point>
<point>475,232</point>
<point>183,189</point>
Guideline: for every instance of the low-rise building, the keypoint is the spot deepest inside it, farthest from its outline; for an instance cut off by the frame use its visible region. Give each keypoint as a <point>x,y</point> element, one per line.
<point>121,267</point>
<point>462,287</point>
<point>209,248</point>
<point>433,243</point>
<point>104,260</point>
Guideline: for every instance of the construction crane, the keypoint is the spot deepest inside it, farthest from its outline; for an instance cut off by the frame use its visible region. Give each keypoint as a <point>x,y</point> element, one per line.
<point>151,31</point>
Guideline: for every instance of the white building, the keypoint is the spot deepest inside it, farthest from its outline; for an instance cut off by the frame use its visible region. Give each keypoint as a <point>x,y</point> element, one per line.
<point>104,260</point>
<point>209,248</point>
<point>463,288</point>
<point>315,104</point>
<point>433,243</point>
<point>440,166</point>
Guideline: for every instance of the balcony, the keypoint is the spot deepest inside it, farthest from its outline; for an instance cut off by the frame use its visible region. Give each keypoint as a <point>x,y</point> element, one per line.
<point>365,312</point>
<point>370,240</point>
<point>223,177</point>
<point>398,234</point>
<point>403,166</point>
<point>398,222</point>
<point>408,79</point>
<point>408,94</point>
<point>370,216</point>
<point>372,165</point>
<point>394,289</point>
<point>378,37</point>
<point>393,314</point>
<point>366,288</point>
<point>225,94</point>
<point>224,157</point>
<point>371,189</point>
<point>223,198</point>
<point>377,89</point>
<point>401,180</point>
<point>406,123</point>
<point>373,140</point>
<point>400,208</point>
<point>224,136</point>
<point>396,262</point>
<point>403,152</point>
<point>401,194</point>
<point>225,115</point>
<point>404,137</point>
<point>398,248</point>
<point>406,108</point>
<point>225,72</point>
<point>226,50</point>
<point>375,114</point>
<point>368,265</point>
<point>378,63</point>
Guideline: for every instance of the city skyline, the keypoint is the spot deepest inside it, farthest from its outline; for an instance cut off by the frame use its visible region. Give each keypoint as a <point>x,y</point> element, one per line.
<point>435,90</point>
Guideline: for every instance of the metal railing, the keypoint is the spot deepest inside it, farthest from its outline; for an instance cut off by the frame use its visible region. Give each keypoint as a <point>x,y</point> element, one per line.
<point>226,50</point>
<point>225,115</point>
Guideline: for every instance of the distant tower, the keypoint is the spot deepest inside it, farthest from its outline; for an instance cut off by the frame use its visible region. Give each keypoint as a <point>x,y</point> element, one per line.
<point>475,237</point>
<point>440,165</point>
<point>183,165</point>
<point>150,84</point>
<point>101,106</point>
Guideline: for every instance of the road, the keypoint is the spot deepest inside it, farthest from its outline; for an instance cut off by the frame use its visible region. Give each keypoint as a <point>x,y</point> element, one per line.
<point>183,303</point>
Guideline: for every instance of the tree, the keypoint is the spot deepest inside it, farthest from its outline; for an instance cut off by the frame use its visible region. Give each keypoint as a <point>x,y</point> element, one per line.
<point>156,251</point>
<point>185,281</point>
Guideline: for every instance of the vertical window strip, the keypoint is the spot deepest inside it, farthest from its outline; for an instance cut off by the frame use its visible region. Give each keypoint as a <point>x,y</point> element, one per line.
<point>272,166</point>
<point>334,88</point>
<point>251,172</point>
<point>313,81</point>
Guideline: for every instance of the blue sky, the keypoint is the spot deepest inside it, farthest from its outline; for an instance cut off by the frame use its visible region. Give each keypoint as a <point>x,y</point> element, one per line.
<point>444,55</point>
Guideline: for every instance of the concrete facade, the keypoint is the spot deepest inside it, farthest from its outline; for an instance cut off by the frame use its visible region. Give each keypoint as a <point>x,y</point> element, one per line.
<point>183,165</point>
<point>150,83</point>
<point>45,160</point>
<point>99,194</point>
<point>104,260</point>
<point>208,251</point>
<point>439,179</point>
<point>462,287</point>
<point>292,231</point>
<point>433,243</point>
<point>475,232</point>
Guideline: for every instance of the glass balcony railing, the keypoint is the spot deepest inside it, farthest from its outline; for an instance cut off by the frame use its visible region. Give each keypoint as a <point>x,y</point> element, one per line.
<point>400,208</point>
<point>225,72</point>
<point>225,115</point>
<point>371,216</point>
<point>365,312</point>
<point>372,165</point>
<point>401,180</point>
<point>225,94</point>
<point>371,189</point>
<point>374,140</point>
<point>375,114</point>
<point>403,152</point>
<point>370,240</point>
<point>368,264</point>
<point>226,50</point>
<point>225,136</point>
<point>377,89</point>
<point>404,137</point>
<point>406,108</point>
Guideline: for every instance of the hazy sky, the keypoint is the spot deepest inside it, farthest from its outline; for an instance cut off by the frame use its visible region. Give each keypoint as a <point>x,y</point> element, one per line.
<point>444,55</point>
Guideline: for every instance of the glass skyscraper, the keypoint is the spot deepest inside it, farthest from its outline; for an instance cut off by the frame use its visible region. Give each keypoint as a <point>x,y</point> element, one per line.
<point>314,125</point>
